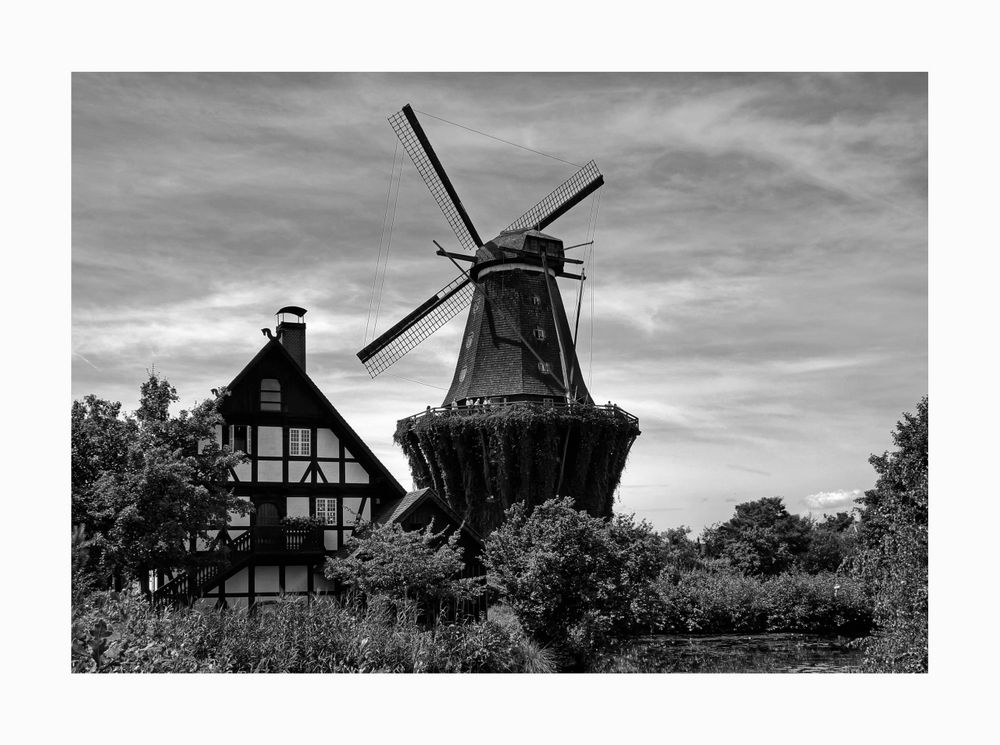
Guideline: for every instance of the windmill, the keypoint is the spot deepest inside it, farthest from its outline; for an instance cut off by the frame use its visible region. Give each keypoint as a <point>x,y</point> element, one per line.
<point>517,373</point>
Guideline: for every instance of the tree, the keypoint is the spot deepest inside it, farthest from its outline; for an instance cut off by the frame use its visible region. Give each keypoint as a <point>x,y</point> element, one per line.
<point>761,538</point>
<point>418,565</point>
<point>572,579</point>
<point>682,553</point>
<point>832,542</point>
<point>144,486</point>
<point>893,556</point>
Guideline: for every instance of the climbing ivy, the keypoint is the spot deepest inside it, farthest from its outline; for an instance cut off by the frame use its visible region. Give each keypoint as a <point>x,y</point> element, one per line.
<point>482,460</point>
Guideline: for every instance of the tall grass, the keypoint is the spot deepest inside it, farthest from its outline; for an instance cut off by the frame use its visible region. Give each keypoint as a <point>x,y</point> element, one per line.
<point>122,633</point>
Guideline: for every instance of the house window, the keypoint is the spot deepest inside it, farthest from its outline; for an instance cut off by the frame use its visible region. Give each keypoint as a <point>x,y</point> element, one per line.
<point>270,395</point>
<point>298,442</point>
<point>326,510</point>
<point>539,334</point>
<point>239,436</point>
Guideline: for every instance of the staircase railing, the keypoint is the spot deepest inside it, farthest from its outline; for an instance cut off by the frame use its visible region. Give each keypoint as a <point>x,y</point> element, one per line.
<point>193,582</point>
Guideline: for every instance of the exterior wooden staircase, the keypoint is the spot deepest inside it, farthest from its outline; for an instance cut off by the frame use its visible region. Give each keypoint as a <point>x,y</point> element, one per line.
<point>193,583</point>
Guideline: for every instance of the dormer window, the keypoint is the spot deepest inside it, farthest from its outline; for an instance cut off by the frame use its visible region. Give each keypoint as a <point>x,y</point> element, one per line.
<point>544,367</point>
<point>270,395</point>
<point>539,333</point>
<point>535,300</point>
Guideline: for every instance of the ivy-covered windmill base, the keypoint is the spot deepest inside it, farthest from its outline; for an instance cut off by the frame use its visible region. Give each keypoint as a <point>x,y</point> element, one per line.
<point>483,459</point>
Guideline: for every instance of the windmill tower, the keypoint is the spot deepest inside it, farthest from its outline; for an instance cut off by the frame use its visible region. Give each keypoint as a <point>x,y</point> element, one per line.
<point>518,423</point>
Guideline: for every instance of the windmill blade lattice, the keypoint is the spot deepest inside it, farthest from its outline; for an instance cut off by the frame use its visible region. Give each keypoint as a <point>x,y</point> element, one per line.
<point>563,198</point>
<point>431,315</point>
<point>404,123</point>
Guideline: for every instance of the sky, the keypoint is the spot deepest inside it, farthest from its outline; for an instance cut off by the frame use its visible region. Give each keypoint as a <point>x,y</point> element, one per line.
<point>757,289</point>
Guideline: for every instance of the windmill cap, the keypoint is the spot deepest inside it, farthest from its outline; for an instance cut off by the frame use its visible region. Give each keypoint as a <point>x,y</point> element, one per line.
<point>293,309</point>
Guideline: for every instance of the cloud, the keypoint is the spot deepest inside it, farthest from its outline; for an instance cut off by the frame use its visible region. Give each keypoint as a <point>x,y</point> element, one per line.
<point>830,500</point>
<point>757,293</point>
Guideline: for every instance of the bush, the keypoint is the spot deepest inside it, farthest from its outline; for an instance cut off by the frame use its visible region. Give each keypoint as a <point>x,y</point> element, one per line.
<point>703,602</point>
<point>573,580</point>
<point>120,632</point>
<point>416,565</point>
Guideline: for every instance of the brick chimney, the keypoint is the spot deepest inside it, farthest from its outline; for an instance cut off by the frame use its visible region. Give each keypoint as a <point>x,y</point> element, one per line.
<point>292,332</point>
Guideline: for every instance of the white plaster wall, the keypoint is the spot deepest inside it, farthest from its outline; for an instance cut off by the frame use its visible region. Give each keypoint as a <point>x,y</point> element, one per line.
<point>297,506</point>
<point>327,444</point>
<point>296,579</point>
<point>347,453</point>
<point>331,471</point>
<point>330,540</point>
<point>269,441</point>
<point>269,470</point>
<point>238,582</point>
<point>266,579</point>
<point>243,471</point>
<point>355,474</point>
<point>236,603</point>
<point>347,535</point>
<point>366,514</point>
<point>296,468</point>
<point>351,505</point>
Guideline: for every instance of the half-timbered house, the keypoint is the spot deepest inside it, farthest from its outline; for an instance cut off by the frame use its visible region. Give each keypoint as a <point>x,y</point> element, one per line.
<point>309,481</point>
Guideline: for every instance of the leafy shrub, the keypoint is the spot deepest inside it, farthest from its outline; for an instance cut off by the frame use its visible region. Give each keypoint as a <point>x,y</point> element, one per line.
<point>703,602</point>
<point>821,603</point>
<point>573,580</point>
<point>418,566</point>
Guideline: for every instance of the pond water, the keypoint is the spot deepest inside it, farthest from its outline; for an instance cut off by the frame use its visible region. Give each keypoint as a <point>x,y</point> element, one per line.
<point>733,653</point>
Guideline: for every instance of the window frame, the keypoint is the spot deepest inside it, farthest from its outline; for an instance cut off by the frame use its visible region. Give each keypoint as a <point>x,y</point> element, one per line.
<point>329,507</point>
<point>299,439</point>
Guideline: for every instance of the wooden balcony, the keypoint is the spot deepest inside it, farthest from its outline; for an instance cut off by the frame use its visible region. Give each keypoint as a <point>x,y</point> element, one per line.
<point>277,539</point>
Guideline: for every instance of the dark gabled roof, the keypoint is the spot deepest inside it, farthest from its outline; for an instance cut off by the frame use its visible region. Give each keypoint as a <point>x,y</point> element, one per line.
<point>359,444</point>
<point>396,509</point>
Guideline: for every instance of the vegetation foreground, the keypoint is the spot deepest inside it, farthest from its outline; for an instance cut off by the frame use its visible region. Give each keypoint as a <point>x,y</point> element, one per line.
<point>571,587</point>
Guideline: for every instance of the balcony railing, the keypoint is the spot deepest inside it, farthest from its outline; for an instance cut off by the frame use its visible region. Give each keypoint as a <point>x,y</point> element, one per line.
<point>487,404</point>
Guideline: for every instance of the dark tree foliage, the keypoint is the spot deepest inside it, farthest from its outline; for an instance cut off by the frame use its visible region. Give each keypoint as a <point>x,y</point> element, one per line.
<point>832,542</point>
<point>144,485</point>
<point>572,579</point>
<point>761,538</point>
<point>893,555</point>
<point>681,552</point>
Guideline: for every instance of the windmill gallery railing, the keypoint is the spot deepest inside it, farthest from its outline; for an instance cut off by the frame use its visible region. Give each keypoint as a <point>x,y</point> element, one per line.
<point>257,539</point>
<point>489,404</point>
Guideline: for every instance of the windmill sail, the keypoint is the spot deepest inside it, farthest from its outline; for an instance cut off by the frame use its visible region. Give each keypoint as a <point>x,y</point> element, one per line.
<point>562,199</point>
<point>404,123</point>
<point>423,321</point>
